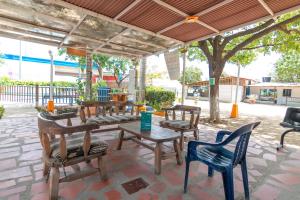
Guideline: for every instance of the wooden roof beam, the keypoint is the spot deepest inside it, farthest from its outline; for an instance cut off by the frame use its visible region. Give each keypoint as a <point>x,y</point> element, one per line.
<point>123,12</point>
<point>267,8</point>
<point>179,12</point>
<point>109,19</point>
<point>73,29</point>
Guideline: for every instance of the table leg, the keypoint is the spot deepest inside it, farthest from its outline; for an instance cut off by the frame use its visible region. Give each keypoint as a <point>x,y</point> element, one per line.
<point>178,152</point>
<point>181,141</point>
<point>157,152</point>
<point>121,137</point>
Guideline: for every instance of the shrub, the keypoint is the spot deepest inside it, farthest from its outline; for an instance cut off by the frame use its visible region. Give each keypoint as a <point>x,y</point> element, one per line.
<point>8,81</point>
<point>2,110</point>
<point>158,97</point>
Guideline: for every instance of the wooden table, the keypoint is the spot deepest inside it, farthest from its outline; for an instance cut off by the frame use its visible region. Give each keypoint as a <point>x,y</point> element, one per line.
<point>158,135</point>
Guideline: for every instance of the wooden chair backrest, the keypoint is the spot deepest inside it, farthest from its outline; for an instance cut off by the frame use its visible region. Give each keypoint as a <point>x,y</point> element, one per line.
<point>106,108</point>
<point>194,111</point>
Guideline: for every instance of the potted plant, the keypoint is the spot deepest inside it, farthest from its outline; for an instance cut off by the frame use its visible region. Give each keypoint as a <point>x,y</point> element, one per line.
<point>2,110</point>
<point>158,107</point>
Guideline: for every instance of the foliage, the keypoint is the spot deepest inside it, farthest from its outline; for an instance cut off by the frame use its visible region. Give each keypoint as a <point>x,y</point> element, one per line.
<point>242,46</point>
<point>287,68</point>
<point>2,110</point>
<point>1,59</point>
<point>7,81</point>
<point>151,76</point>
<point>158,97</point>
<point>120,67</point>
<point>80,59</point>
<point>80,86</point>
<point>192,75</point>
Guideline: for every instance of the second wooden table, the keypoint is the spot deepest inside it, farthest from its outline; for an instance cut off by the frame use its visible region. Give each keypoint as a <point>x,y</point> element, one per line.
<point>157,135</point>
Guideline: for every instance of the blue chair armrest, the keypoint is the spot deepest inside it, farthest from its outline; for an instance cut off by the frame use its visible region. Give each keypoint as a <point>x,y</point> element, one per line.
<point>192,145</point>
<point>221,134</point>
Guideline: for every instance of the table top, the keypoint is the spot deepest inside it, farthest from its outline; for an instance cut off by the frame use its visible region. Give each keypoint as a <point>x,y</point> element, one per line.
<point>157,133</point>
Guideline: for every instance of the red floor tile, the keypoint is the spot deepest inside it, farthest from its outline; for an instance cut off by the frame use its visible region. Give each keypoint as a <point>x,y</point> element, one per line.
<point>113,195</point>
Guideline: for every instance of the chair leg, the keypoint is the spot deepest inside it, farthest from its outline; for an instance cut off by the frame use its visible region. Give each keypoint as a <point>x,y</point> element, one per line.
<point>196,134</point>
<point>228,184</point>
<point>245,179</point>
<point>282,138</point>
<point>210,172</point>
<point>54,181</point>
<point>102,168</point>
<point>186,177</point>
<point>46,169</point>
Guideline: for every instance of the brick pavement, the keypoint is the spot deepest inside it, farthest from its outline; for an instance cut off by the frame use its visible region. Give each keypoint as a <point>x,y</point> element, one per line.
<point>272,175</point>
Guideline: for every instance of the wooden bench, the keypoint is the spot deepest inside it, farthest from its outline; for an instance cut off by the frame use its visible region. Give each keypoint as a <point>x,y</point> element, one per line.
<point>109,113</point>
<point>182,125</point>
<point>67,146</point>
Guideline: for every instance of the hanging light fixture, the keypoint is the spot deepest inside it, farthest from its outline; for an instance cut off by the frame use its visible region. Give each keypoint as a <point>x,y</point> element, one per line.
<point>191,19</point>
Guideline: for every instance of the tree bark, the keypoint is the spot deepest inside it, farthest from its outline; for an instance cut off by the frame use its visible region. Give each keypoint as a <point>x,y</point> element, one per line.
<point>100,72</point>
<point>216,67</point>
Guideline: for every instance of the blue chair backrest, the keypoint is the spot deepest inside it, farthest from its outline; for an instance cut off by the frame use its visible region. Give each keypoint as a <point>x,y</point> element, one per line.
<point>243,133</point>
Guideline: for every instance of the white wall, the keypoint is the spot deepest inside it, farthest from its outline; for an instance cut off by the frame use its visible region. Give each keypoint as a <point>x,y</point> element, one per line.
<point>227,93</point>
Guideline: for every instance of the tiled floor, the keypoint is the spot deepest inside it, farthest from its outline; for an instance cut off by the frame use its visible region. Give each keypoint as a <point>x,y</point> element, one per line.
<point>272,174</point>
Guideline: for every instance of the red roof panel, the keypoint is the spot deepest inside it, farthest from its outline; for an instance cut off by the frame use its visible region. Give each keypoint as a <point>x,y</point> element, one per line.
<point>192,7</point>
<point>106,7</point>
<point>279,5</point>
<point>187,32</point>
<point>151,16</point>
<point>235,13</point>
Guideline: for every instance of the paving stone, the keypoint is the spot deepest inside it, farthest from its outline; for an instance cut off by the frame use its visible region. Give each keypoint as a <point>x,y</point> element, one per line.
<point>7,164</point>
<point>5,150</point>
<point>9,154</point>
<point>270,157</point>
<point>24,179</point>
<point>15,173</point>
<point>288,179</point>
<point>32,155</point>
<point>32,147</point>
<point>5,193</point>
<point>9,145</point>
<point>266,192</point>
<point>7,184</point>
<point>32,162</point>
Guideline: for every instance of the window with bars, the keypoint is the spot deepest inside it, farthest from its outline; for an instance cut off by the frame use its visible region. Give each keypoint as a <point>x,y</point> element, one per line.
<point>287,92</point>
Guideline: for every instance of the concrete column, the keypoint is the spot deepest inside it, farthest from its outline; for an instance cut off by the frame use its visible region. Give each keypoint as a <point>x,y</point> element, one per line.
<point>142,84</point>
<point>183,76</point>
<point>20,61</point>
<point>89,73</point>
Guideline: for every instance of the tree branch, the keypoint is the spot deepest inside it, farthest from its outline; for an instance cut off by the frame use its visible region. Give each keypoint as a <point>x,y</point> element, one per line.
<point>203,46</point>
<point>259,35</point>
<point>248,31</point>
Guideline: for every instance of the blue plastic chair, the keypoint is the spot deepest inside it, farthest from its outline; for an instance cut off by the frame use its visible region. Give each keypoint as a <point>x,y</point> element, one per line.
<point>222,160</point>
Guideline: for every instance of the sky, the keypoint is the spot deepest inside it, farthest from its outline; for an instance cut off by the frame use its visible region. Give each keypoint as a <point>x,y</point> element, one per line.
<point>262,66</point>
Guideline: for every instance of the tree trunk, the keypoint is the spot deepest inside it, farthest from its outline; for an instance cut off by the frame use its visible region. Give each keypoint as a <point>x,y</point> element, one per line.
<point>214,101</point>
<point>100,71</point>
<point>215,71</point>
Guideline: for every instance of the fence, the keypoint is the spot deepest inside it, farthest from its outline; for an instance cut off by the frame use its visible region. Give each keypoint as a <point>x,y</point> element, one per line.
<point>38,95</point>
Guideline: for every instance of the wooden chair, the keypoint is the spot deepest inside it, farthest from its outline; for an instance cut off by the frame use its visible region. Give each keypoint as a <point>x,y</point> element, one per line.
<point>217,157</point>
<point>62,148</point>
<point>182,125</point>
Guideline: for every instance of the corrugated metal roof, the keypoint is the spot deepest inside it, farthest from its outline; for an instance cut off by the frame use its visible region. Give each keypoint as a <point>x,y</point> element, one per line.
<point>147,26</point>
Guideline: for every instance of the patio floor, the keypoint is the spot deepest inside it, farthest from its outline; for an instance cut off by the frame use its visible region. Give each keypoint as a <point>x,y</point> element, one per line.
<point>272,174</point>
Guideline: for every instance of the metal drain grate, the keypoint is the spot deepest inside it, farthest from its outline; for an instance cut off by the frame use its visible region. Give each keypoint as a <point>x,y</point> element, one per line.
<point>134,185</point>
